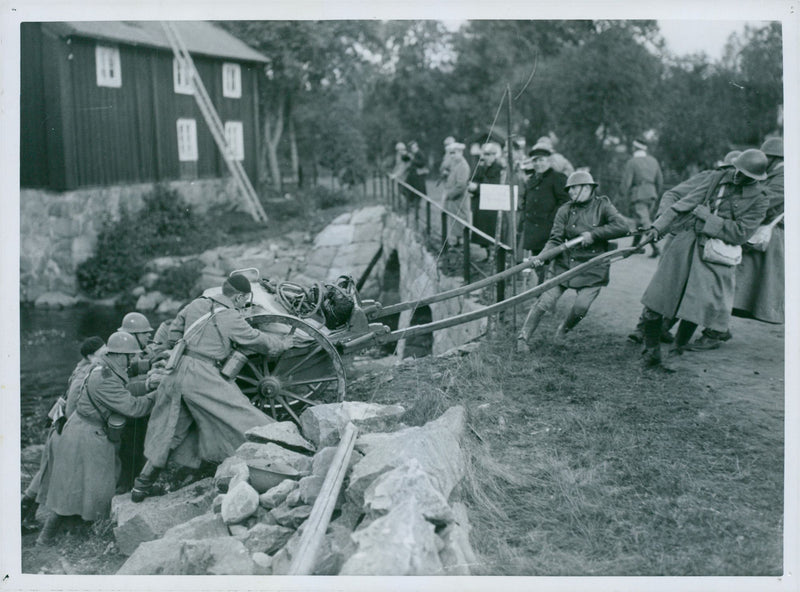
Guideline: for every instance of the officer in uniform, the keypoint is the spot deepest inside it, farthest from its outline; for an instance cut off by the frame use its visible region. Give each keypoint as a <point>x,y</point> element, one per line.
<point>199,415</point>
<point>85,461</point>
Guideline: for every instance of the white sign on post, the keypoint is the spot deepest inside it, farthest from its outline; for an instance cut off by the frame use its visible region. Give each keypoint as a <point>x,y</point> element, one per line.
<point>496,197</point>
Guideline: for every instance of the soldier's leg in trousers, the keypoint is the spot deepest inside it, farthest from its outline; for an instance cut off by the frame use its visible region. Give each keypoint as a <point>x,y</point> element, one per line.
<point>544,303</point>
<point>652,338</point>
<point>684,334</point>
<point>583,301</point>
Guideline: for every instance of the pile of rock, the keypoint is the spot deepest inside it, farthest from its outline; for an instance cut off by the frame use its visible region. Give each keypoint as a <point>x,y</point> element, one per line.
<point>392,516</point>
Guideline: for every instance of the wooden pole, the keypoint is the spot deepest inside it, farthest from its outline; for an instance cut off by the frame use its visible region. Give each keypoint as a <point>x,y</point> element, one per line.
<point>320,517</point>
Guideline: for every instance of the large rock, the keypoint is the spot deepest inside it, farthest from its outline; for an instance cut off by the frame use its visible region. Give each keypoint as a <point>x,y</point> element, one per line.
<point>335,235</point>
<point>435,445</point>
<point>55,300</point>
<point>274,497</point>
<point>457,554</point>
<point>215,557</point>
<point>240,503</point>
<point>290,517</point>
<point>409,480</point>
<point>150,519</point>
<point>371,216</point>
<point>336,548</point>
<point>262,564</point>
<point>402,543</point>
<point>324,424</point>
<point>266,538</point>
<point>149,301</point>
<point>264,455</point>
<point>285,433</point>
<point>231,468</point>
<point>161,556</point>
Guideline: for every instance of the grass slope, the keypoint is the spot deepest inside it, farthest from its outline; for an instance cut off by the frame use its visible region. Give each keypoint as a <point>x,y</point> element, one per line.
<point>582,463</point>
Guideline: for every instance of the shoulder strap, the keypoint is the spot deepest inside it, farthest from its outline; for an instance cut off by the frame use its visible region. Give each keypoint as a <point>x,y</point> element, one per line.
<point>777,219</point>
<point>85,389</point>
<point>203,319</point>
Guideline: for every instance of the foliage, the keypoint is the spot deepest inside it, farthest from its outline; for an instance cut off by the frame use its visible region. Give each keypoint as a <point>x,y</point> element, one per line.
<point>325,198</point>
<point>179,281</point>
<point>165,225</point>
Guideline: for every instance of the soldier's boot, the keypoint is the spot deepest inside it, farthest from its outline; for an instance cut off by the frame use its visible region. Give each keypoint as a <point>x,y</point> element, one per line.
<point>28,507</point>
<point>709,340</point>
<point>682,336</point>
<point>50,529</point>
<point>652,346</point>
<point>535,315</point>
<point>145,484</point>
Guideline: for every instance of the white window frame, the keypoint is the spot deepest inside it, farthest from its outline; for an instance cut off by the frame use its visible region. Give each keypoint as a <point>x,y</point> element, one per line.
<point>182,77</point>
<point>108,66</point>
<point>234,138</point>
<point>187,140</point>
<point>231,80</point>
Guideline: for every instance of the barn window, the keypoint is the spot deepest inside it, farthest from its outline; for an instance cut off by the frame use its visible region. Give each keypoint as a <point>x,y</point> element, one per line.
<point>234,137</point>
<point>108,66</point>
<point>182,76</point>
<point>187,140</point>
<point>231,81</point>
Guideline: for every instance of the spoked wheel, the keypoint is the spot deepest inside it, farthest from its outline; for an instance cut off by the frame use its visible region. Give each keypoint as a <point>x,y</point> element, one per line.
<point>308,374</point>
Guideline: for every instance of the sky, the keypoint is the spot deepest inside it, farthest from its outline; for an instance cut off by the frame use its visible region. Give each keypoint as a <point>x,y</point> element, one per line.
<point>686,37</point>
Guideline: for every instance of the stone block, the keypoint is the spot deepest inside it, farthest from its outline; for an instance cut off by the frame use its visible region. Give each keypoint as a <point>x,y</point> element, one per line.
<point>239,504</point>
<point>285,433</point>
<point>324,424</point>
<point>290,517</point>
<point>274,497</point>
<point>215,557</point>
<point>334,235</point>
<point>408,480</point>
<point>457,555</point>
<point>82,248</point>
<point>357,254</point>
<point>402,543</point>
<point>149,301</point>
<point>262,564</point>
<point>372,216</point>
<point>153,558</point>
<point>268,455</point>
<point>322,256</point>
<point>55,300</point>
<point>231,467</point>
<point>238,531</point>
<point>150,519</point>
<point>435,445</point>
<point>341,219</point>
<point>336,548</point>
<point>267,538</point>
<point>205,526</point>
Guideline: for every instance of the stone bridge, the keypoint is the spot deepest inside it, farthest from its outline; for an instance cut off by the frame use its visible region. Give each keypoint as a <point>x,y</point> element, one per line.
<point>375,246</point>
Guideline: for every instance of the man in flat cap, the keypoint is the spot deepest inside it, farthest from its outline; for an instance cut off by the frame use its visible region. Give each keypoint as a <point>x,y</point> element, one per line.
<point>642,182</point>
<point>199,415</point>
<point>455,190</point>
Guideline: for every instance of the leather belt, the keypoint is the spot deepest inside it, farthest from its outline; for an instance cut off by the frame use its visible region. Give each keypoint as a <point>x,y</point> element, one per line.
<point>201,357</point>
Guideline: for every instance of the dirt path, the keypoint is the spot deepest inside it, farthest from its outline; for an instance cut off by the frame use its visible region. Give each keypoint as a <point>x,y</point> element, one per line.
<point>750,366</point>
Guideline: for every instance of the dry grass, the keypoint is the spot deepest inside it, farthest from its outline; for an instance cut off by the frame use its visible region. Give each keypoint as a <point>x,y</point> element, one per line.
<point>584,464</point>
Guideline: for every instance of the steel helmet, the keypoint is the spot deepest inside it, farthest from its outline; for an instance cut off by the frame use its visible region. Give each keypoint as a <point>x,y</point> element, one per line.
<point>773,147</point>
<point>123,342</point>
<point>729,158</point>
<point>752,163</point>
<point>580,178</point>
<point>135,322</point>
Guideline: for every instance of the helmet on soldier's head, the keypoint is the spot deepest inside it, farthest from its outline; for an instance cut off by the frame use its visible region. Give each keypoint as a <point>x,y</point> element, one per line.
<point>729,158</point>
<point>580,178</point>
<point>773,147</point>
<point>752,163</point>
<point>123,342</point>
<point>135,322</point>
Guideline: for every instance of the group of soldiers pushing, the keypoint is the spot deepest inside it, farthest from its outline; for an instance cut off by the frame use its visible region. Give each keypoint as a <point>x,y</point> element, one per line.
<point>195,414</point>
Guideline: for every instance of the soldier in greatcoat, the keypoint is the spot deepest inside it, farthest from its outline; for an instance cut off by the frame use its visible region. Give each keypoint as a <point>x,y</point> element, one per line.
<point>594,219</point>
<point>641,184</point>
<point>455,190</point>
<point>85,461</point>
<point>729,206</point>
<point>199,415</point>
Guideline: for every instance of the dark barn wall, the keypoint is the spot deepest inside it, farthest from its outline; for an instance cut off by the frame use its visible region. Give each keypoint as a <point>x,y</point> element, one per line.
<point>103,136</point>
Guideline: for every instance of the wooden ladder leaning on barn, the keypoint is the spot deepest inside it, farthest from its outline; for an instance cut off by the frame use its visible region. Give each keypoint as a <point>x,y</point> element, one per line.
<point>215,125</point>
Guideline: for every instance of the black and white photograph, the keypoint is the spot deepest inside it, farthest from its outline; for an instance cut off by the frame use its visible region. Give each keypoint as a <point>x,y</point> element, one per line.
<point>403,296</point>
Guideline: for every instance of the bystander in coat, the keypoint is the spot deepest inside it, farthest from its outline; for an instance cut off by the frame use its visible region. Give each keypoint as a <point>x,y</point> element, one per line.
<point>455,191</point>
<point>489,171</point>
<point>642,182</point>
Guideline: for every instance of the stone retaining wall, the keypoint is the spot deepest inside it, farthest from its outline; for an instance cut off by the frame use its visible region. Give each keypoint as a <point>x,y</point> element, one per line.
<point>58,230</point>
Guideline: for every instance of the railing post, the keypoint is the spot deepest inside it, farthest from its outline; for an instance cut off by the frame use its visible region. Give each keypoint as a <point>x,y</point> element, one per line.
<point>444,230</point>
<point>428,219</point>
<point>467,272</point>
<point>501,266</point>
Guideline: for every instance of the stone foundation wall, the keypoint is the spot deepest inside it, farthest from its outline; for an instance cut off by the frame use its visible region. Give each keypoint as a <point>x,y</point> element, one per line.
<point>58,230</point>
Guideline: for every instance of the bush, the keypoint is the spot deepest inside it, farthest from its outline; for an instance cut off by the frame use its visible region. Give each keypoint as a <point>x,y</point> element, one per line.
<point>323,197</point>
<point>166,225</point>
<point>179,281</point>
